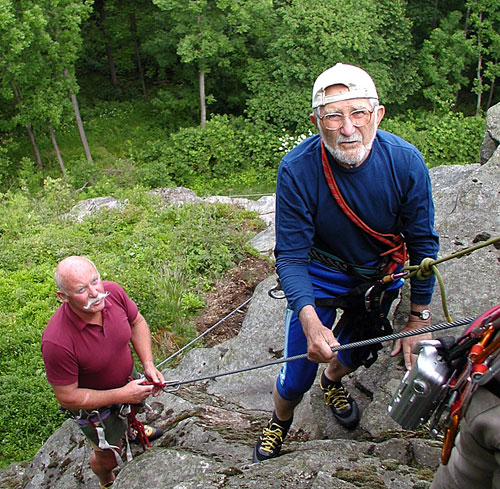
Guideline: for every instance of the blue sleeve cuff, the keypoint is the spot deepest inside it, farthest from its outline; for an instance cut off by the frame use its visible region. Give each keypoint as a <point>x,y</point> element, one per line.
<point>301,303</point>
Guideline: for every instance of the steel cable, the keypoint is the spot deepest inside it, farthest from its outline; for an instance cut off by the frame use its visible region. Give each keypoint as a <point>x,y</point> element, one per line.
<point>175,384</point>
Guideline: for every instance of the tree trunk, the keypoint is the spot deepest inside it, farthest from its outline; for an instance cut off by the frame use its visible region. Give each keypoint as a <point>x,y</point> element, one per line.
<point>133,30</point>
<point>203,108</point>
<point>479,71</point>
<point>435,14</point>
<point>490,96</point>
<point>109,53</point>
<point>81,130</point>
<point>31,135</point>
<point>56,148</point>
<point>79,123</point>
<point>29,130</point>
<point>479,83</point>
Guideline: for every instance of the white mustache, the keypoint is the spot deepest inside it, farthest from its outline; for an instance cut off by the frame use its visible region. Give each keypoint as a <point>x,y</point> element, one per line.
<point>91,302</point>
<point>351,139</point>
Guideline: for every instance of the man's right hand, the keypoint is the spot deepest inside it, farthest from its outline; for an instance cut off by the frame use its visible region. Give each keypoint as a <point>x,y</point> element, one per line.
<point>73,397</point>
<point>320,339</point>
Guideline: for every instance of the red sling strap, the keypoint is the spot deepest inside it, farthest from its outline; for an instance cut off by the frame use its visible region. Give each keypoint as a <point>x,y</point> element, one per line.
<point>397,248</point>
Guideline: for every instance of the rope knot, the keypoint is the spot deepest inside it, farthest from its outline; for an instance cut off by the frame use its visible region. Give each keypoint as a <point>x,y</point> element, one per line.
<point>425,269</point>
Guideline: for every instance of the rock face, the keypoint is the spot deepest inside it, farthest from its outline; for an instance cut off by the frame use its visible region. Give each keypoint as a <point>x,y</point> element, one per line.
<point>492,135</point>
<point>211,426</point>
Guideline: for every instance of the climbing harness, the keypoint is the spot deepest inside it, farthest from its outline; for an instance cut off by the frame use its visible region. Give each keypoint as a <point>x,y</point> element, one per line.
<point>126,413</point>
<point>96,420</point>
<point>446,375</point>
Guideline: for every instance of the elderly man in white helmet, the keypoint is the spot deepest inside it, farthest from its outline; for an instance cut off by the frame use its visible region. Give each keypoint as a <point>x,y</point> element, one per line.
<point>351,201</point>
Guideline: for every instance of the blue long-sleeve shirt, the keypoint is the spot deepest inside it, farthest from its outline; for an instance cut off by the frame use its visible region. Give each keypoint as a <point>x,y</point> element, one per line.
<point>390,191</point>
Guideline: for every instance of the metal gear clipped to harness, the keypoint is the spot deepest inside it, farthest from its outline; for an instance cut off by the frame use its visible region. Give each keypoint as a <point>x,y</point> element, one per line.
<point>446,374</point>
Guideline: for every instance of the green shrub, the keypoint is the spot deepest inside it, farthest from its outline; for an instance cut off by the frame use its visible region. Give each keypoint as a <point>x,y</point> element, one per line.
<point>29,415</point>
<point>443,138</point>
<point>164,255</point>
<point>194,157</point>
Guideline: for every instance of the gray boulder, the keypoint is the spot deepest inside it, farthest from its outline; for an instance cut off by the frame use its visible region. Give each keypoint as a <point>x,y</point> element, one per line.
<point>87,207</point>
<point>492,135</point>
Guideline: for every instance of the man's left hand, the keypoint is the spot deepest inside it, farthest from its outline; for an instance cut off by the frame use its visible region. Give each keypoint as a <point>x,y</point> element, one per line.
<point>154,375</point>
<point>410,342</point>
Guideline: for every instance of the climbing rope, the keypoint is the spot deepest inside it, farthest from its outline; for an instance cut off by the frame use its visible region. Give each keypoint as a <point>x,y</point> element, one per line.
<point>175,384</point>
<point>424,270</point>
<point>428,266</point>
<point>185,347</point>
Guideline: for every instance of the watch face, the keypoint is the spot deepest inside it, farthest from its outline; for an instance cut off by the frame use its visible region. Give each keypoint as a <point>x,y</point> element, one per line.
<point>425,314</point>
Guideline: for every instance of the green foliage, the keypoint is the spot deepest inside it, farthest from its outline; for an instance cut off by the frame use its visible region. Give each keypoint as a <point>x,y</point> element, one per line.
<point>444,58</point>
<point>213,37</point>
<point>306,41</point>
<point>447,138</point>
<point>30,413</point>
<point>6,164</point>
<point>164,255</point>
<point>172,111</point>
<point>228,152</point>
<point>40,44</point>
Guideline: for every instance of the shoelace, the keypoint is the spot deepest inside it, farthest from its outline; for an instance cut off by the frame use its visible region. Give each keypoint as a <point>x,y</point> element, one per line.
<point>272,437</point>
<point>338,396</point>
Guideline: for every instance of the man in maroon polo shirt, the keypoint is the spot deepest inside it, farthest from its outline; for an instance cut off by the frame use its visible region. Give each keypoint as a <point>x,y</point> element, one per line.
<point>88,360</point>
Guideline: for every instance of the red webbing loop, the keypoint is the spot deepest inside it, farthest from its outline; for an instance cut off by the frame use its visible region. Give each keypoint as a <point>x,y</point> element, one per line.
<point>397,248</point>
<point>138,427</point>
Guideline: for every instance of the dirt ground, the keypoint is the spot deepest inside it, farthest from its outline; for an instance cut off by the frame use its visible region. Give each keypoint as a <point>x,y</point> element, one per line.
<point>231,291</point>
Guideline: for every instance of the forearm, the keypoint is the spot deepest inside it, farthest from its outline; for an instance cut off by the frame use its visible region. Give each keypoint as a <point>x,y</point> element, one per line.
<point>309,319</point>
<point>295,281</point>
<point>76,398</point>
<point>141,340</point>
<point>88,399</point>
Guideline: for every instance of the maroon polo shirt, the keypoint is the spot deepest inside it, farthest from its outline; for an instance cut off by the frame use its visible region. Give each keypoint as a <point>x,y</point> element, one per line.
<point>96,357</point>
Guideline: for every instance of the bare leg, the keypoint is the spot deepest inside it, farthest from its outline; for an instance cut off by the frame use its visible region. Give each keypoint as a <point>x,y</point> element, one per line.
<point>102,462</point>
<point>335,370</point>
<point>283,408</point>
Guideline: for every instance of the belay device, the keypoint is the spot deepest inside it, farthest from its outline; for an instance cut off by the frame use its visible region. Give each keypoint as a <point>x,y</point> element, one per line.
<point>445,376</point>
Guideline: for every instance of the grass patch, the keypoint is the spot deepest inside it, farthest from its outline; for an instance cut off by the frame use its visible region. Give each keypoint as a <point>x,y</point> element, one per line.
<point>164,255</point>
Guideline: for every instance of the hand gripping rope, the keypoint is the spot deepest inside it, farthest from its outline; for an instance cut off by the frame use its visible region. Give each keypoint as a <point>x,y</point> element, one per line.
<point>174,385</point>
<point>426,268</point>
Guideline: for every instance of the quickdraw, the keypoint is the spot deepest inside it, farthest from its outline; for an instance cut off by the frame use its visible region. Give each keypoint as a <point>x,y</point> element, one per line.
<point>445,377</point>
<point>478,364</point>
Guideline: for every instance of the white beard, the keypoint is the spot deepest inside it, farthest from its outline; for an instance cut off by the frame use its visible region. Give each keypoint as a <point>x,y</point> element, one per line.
<point>351,157</point>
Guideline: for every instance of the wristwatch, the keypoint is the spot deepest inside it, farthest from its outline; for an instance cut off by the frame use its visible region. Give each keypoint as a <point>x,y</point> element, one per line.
<point>425,314</point>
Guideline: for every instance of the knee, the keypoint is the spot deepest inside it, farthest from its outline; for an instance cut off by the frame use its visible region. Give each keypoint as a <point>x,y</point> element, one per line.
<point>102,460</point>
